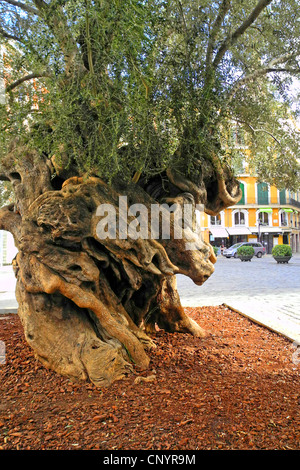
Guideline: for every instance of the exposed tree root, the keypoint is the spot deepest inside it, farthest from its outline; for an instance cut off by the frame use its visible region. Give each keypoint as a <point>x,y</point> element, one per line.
<point>89,304</point>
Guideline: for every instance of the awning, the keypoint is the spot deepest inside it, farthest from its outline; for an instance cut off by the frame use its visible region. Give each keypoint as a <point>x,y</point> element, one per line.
<point>218,232</point>
<point>238,231</point>
<point>288,210</point>
<point>266,209</point>
<point>266,229</point>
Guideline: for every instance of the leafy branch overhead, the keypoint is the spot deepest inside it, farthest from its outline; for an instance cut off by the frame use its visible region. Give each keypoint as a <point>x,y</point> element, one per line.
<point>130,87</point>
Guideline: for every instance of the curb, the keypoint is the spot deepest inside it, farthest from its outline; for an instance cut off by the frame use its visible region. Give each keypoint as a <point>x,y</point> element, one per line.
<point>278,330</point>
<point>7,311</point>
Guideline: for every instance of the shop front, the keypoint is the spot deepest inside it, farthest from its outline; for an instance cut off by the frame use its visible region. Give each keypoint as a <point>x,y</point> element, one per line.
<point>218,236</point>
<point>238,235</point>
<point>267,236</point>
<point>294,241</point>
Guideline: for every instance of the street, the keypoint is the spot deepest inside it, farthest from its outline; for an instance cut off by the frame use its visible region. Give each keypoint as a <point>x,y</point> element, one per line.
<point>262,289</point>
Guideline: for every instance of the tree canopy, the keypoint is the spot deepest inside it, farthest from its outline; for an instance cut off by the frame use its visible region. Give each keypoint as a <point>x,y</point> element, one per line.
<point>125,87</point>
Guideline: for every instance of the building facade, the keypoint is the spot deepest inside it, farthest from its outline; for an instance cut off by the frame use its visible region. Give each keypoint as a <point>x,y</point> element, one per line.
<point>7,248</point>
<point>263,214</point>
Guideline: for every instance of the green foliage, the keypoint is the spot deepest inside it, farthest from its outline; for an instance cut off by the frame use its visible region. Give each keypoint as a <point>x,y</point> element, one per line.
<point>132,86</point>
<point>216,249</point>
<point>245,250</point>
<point>282,250</point>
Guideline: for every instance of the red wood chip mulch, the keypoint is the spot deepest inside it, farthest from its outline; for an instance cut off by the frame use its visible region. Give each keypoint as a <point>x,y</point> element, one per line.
<point>236,389</point>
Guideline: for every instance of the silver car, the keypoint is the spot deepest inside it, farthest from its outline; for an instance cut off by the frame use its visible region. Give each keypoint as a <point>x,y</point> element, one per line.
<point>231,252</point>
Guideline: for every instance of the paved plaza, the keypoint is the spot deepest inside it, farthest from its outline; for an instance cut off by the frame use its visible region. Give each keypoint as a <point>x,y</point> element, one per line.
<point>263,290</point>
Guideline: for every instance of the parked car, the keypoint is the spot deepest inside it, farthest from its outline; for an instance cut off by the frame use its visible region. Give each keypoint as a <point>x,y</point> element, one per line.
<point>231,252</point>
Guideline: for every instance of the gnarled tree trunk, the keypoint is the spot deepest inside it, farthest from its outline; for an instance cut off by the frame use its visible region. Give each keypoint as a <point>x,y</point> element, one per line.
<point>88,304</point>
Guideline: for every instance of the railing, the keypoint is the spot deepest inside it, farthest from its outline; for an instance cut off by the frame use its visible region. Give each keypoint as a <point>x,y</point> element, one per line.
<point>253,201</point>
<point>293,202</point>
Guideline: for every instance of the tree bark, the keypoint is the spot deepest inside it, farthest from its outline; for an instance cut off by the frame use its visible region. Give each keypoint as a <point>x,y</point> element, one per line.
<point>89,305</point>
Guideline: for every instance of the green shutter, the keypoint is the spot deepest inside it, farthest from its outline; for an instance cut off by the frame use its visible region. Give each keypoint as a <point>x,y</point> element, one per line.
<point>262,193</point>
<point>242,201</point>
<point>282,197</point>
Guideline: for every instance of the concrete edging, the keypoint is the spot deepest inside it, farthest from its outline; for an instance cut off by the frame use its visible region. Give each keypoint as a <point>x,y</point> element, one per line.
<point>275,330</point>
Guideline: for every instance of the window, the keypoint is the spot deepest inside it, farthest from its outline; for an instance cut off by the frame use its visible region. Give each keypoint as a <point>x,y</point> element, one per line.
<point>238,136</point>
<point>215,220</point>
<point>263,217</point>
<point>239,218</point>
<point>283,219</point>
<point>262,193</point>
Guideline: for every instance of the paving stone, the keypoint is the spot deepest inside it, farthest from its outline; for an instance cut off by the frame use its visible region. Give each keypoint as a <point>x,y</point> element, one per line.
<point>260,290</point>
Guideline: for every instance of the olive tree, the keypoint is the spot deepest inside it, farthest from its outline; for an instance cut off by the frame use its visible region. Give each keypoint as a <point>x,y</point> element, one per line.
<point>117,110</point>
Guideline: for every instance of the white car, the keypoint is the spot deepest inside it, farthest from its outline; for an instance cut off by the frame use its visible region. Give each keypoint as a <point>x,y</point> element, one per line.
<point>231,252</point>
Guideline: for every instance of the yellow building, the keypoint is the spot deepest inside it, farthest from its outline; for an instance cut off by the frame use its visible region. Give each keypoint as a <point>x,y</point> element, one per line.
<point>264,214</point>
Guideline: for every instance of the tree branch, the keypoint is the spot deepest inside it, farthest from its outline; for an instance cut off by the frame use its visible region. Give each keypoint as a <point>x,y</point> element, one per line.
<point>25,79</point>
<point>41,5</point>
<point>6,35</point>
<point>257,130</point>
<point>57,22</point>
<point>232,38</point>
<point>224,8</point>
<point>270,68</point>
<point>23,6</point>
<point>183,17</point>
<point>284,69</point>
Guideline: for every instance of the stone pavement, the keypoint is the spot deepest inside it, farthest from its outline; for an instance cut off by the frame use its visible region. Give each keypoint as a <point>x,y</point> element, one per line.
<point>266,292</point>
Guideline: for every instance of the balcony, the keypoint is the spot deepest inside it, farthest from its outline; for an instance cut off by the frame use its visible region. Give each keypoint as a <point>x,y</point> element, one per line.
<point>252,201</point>
<point>293,202</point>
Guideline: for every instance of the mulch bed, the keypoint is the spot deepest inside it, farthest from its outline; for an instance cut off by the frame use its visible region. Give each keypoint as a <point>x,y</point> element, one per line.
<point>236,389</point>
